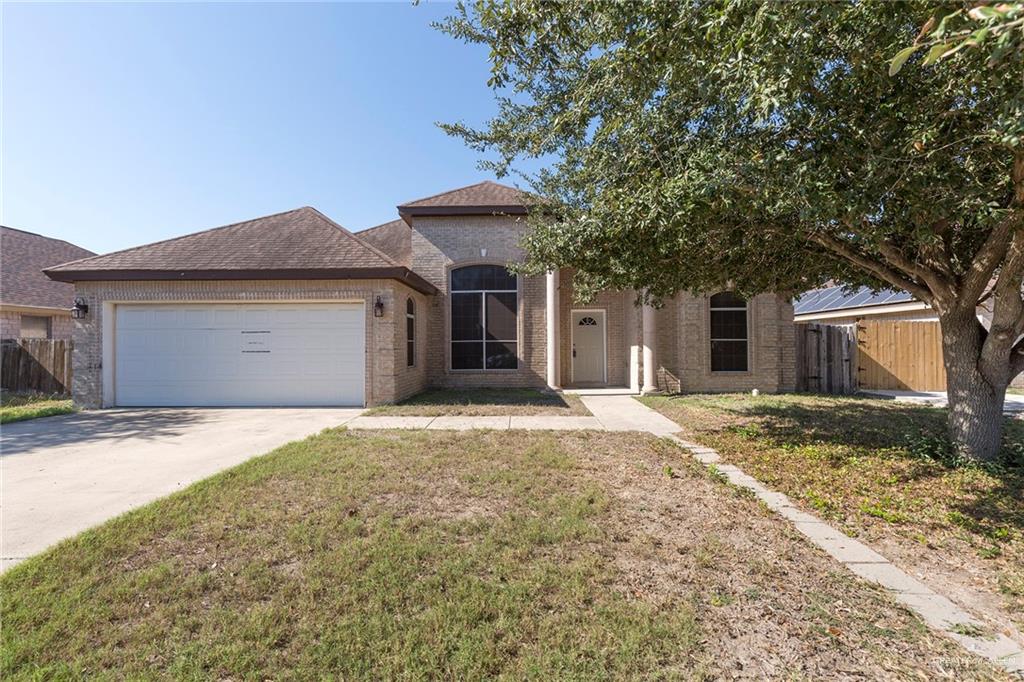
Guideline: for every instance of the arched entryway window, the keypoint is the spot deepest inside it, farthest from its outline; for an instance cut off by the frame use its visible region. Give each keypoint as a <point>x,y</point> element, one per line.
<point>484,318</point>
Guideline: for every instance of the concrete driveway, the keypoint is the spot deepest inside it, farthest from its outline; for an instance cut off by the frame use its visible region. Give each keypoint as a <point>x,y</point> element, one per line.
<point>61,475</point>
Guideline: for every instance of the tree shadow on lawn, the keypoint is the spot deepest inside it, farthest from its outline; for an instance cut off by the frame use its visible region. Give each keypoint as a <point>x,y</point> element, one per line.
<point>982,499</point>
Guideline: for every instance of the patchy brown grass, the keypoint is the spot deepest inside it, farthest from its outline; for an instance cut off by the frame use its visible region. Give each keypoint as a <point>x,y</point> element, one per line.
<point>480,402</point>
<point>882,471</point>
<point>428,555</point>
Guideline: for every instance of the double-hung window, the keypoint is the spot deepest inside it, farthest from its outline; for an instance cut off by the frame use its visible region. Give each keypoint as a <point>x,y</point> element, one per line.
<point>728,333</point>
<point>484,318</point>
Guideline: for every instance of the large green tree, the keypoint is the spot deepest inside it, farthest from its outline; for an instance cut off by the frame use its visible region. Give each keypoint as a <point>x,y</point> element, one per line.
<point>767,147</point>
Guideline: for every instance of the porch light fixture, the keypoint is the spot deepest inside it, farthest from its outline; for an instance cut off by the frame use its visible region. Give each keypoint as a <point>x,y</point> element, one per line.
<point>80,309</point>
<point>378,307</point>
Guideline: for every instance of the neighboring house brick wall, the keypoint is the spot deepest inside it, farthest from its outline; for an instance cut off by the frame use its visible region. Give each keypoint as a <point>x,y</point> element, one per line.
<point>386,379</point>
<point>10,325</point>
<point>442,243</point>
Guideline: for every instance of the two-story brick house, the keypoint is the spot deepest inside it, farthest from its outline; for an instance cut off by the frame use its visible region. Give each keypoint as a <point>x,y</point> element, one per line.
<point>292,309</point>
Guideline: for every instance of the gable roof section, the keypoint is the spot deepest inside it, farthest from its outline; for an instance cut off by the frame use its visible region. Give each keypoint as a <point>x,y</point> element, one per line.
<point>298,244</point>
<point>841,298</point>
<point>23,256</point>
<point>483,198</point>
<point>393,238</point>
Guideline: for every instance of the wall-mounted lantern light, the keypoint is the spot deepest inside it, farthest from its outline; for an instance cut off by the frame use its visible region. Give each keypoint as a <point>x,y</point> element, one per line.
<point>378,307</point>
<point>80,309</point>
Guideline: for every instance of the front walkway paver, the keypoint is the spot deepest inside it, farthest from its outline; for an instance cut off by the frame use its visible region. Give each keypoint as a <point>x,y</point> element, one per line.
<point>465,423</point>
<point>390,422</point>
<point>620,412</point>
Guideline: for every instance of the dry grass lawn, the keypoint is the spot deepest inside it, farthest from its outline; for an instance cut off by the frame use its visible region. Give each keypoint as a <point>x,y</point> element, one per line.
<point>883,471</point>
<point>479,402</point>
<point>442,555</point>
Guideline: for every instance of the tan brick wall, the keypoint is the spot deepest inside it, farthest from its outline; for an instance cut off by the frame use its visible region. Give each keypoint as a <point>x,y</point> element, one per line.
<point>10,325</point>
<point>440,244</point>
<point>387,377</point>
<point>772,363</point>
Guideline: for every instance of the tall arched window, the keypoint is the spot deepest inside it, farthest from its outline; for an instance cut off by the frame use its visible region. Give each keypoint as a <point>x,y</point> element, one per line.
<point>410,333</point>
<point>728,333</point>
<point>484,318</point>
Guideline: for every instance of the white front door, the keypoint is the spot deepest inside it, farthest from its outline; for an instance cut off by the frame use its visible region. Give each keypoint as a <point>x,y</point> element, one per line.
<point>588,347</point>
<point>240,354</point>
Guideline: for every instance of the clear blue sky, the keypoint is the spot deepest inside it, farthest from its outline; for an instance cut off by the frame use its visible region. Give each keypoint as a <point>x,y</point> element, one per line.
<point>124,124</point>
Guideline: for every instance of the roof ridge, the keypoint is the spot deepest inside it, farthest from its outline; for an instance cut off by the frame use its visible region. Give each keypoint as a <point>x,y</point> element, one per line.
<point>452,191</point>
<point>359,241</point>
<point>377,227</point>
<point>183,236</point>
<point>43,236</point>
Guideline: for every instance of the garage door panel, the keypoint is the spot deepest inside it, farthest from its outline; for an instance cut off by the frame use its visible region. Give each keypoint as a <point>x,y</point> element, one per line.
<point>246,354</point>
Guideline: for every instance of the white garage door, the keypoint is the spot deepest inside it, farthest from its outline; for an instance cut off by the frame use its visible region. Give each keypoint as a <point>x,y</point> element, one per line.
<point>239,354</point>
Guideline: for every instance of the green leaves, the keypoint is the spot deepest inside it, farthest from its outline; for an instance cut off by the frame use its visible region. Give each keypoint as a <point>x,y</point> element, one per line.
<point>900,59</point>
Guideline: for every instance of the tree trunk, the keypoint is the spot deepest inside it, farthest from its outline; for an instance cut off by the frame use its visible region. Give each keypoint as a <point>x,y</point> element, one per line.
<point>975,397</point>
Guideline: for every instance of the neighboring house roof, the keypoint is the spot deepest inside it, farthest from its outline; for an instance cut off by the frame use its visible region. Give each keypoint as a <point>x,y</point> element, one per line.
<point>483,198</point>
<point>840,297</point>
<point>393,238</point>
<point>23,257</point>
<point>298,244</point>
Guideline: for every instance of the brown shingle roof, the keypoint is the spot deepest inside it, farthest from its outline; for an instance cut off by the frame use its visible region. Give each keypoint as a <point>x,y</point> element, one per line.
<point>483,198</point>
<point>23,256</point>
<point>298,244</point>
<point>393,238</point>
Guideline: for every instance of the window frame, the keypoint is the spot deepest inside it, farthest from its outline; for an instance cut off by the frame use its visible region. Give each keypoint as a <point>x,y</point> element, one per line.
<point>410,332</point>
<point>712,309</point>
<point>483,341</point>
<point>45,320</point>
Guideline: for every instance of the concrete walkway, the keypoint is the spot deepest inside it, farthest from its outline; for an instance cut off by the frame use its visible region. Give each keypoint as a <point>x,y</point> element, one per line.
<point>498,423</point>
<point>62,475</point>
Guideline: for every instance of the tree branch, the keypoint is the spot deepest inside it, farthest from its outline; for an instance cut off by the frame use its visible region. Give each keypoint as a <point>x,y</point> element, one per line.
<point>992,252</point>
<point>935,281</point>
<point>1017,359</point>
<point>880,270</point>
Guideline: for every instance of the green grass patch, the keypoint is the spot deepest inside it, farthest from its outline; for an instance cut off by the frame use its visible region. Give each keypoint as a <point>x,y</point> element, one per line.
<point>478,402</point>
<point>15,407</point>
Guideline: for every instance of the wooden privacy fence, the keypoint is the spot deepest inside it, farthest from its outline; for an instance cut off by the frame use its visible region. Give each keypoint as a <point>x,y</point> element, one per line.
<point>900,356</point>
<point>42,365</point>
<point>826,358</point>
<point>893,355</point>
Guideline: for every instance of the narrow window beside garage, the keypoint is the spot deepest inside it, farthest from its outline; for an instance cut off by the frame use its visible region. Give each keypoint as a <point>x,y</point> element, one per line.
<point>484,318</point>
<point>728,333</point>
<point>410,333</point>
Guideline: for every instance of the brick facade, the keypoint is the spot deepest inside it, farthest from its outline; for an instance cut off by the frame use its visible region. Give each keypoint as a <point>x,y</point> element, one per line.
<point>387,376</point>
<point>439,244</point>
